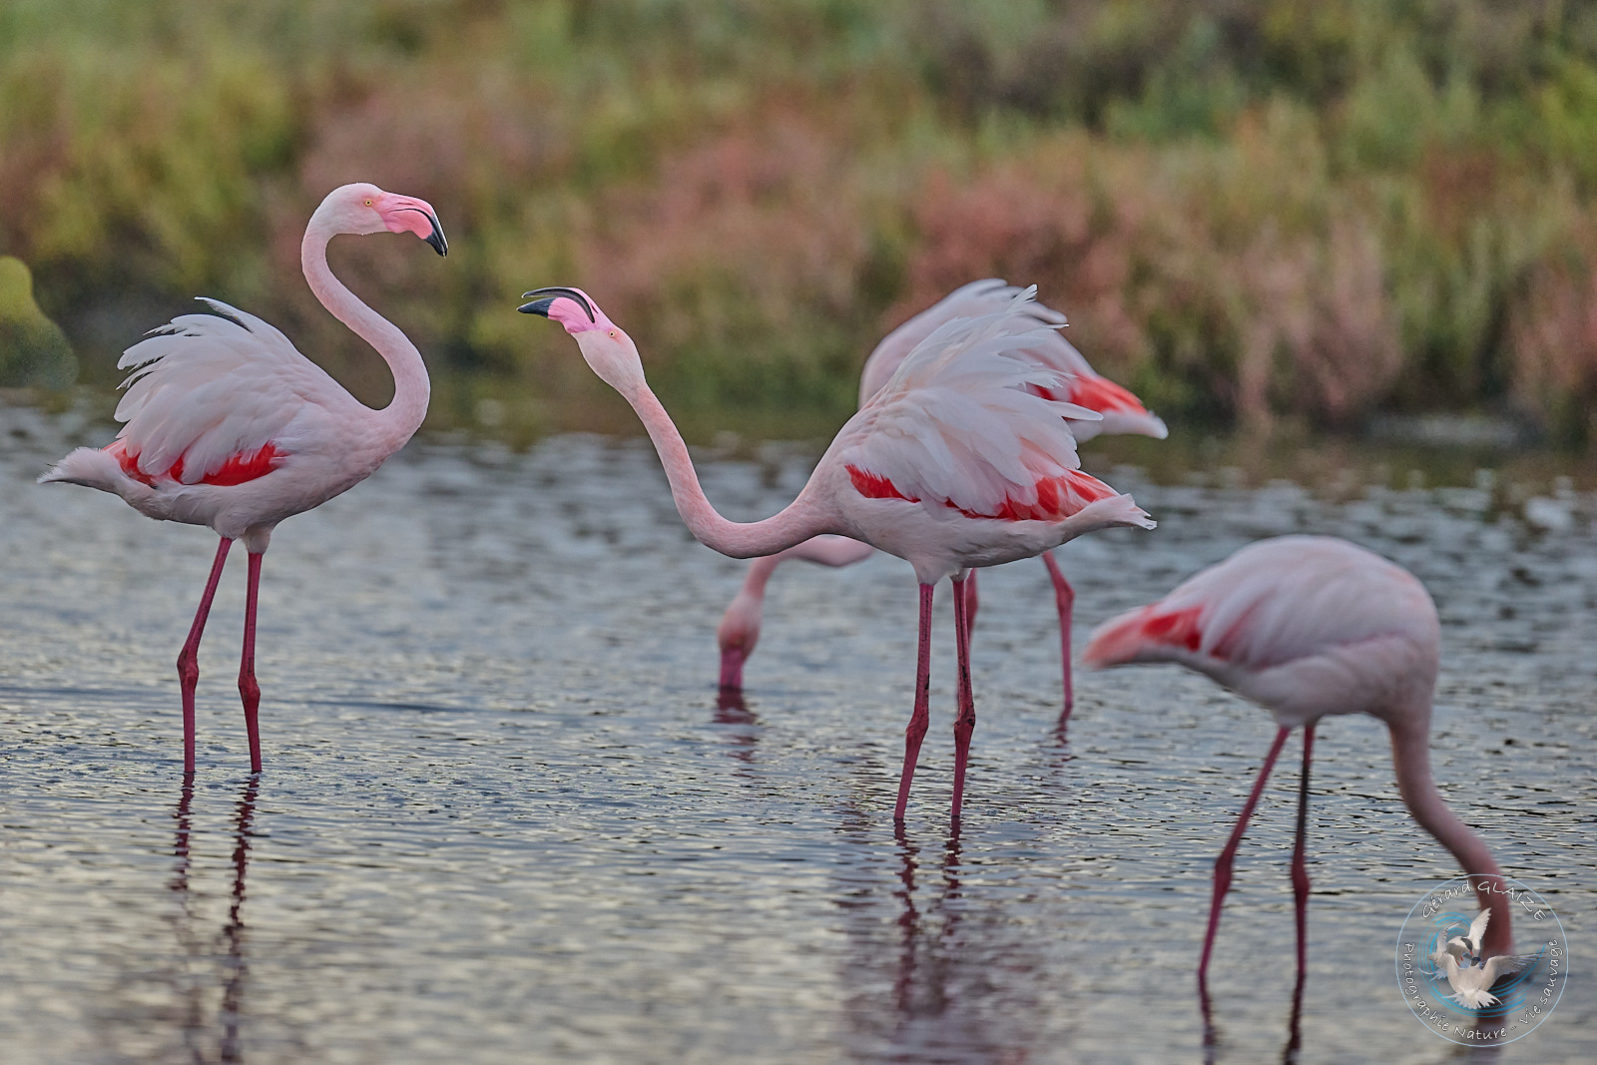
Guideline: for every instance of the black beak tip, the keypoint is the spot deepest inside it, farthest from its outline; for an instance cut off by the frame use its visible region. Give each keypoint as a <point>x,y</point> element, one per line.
<point>547,296</point>
<point>436,239</point>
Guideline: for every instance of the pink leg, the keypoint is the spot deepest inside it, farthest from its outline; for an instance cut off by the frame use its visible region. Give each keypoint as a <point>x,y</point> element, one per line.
<point>972,603</point>
<point>965,723</point>
<point>1300,871</point>
<point>1064,601</point>
<point>248,690</point>
<point>188,659</point>
<point>1222,864</point>
<point>918,720</point>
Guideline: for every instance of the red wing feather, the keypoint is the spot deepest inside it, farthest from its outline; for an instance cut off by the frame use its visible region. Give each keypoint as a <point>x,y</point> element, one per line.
<point>1177,629</point>
<point>874,485</point>
<point>1057,497</point>
<point>236,470</point>
<point>1101,394</point>
<point>1126,638</point>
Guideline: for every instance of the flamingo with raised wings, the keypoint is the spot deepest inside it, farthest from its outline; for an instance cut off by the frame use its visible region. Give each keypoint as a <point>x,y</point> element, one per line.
<point>227,425</point>
<point>1310,626</point>
<point>1120,412</point>
<point>958,461</point>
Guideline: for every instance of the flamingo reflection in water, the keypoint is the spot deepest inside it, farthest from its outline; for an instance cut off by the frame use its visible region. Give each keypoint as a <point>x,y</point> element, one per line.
<point>227,948</point>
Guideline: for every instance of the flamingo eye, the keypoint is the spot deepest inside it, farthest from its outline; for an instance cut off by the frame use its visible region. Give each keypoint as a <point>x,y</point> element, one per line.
<point>612,334</point>
<point>368,201</point>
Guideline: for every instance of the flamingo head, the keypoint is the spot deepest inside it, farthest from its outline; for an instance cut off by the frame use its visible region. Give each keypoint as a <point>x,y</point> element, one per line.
<point>364,208</point>
<point>605,346</point>
<point>737,634</point>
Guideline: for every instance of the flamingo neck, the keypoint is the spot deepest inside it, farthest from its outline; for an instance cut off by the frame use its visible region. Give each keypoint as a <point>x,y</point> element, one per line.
<point>1411,757</point>
<point>404,413</point>
<point>796,522</point>
<point>759,575</point>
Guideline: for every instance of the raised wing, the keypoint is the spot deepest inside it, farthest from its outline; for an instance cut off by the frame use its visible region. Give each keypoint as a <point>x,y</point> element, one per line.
<point>1477,930</point>
<point>989,296</point>
<point>965,421</point>
<point>215,397</point>
<point>1503,965</point>
<point>1122,411</point>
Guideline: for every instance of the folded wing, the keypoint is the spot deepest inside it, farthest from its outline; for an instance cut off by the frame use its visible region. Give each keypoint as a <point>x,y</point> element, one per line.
<point>216,398</point>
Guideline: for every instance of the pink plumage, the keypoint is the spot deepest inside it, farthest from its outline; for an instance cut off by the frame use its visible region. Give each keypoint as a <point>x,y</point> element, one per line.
<point>1117,411</point>
<point>227,425</point>
<point>1308,627</point>
<point>952,464</point>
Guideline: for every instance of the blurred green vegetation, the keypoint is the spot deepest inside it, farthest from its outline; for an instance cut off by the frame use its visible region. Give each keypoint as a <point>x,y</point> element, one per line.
<point>1251,211</point>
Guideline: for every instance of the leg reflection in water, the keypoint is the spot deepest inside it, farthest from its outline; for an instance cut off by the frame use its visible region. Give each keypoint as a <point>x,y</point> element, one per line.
<point>219,958</point>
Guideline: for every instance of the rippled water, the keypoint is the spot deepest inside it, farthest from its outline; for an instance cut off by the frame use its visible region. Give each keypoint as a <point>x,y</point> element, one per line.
<point>505,819</point>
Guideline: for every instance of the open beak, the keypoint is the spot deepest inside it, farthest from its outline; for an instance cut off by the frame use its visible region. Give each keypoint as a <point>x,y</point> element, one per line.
<point>541,298</point>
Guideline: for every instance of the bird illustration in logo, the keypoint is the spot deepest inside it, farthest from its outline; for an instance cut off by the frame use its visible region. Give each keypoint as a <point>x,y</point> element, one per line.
<point>1469,945</point>
<point>1469,975</point>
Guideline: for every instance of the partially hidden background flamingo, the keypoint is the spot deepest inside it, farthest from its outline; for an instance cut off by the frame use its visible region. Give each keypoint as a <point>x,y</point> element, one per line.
<point>739,629</point>
<point>1311,626</point>
<point>957,461</point>
<point>228,426</point>
<point>1120,412</point>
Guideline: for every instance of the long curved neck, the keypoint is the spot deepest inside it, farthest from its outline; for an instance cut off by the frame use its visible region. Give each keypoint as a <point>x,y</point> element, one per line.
<point>796,522</point>
<point>404,414</point>
<point>760,570</point>
<point>1411,757</point>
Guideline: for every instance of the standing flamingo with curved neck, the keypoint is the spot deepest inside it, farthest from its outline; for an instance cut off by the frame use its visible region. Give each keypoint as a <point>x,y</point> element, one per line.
<point>956,462</point>
<point>1310,626</point>
<point>228,426</point>
<point>1120,412</point>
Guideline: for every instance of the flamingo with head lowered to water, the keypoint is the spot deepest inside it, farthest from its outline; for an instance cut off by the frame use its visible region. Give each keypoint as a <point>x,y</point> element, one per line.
<point>1311,626</point>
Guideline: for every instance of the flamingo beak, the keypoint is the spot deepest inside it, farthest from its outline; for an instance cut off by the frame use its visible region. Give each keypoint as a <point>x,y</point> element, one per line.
<point>395,211</point>
<point>540,299</point>
<point>436,237</point>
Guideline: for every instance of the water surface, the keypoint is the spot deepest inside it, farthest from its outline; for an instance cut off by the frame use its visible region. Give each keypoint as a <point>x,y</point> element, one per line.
<point>505,817</point>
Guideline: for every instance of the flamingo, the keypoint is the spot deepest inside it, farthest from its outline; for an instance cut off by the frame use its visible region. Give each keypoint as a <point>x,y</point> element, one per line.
<point>228,426</point>
<point>740,624</point>
<point>957,461</point>
<point>1309,626</point>
<point>1120,412</point>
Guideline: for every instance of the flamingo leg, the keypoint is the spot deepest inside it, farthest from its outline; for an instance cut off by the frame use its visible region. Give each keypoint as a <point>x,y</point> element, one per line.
<point>1222,864</point>
<point>965,723</point>
<point>918,720</point>
<point>1300,871</point>
<point>972,603</point>
<point>248,690</point>
<point>188,659</point>
<point>1065,602</point>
